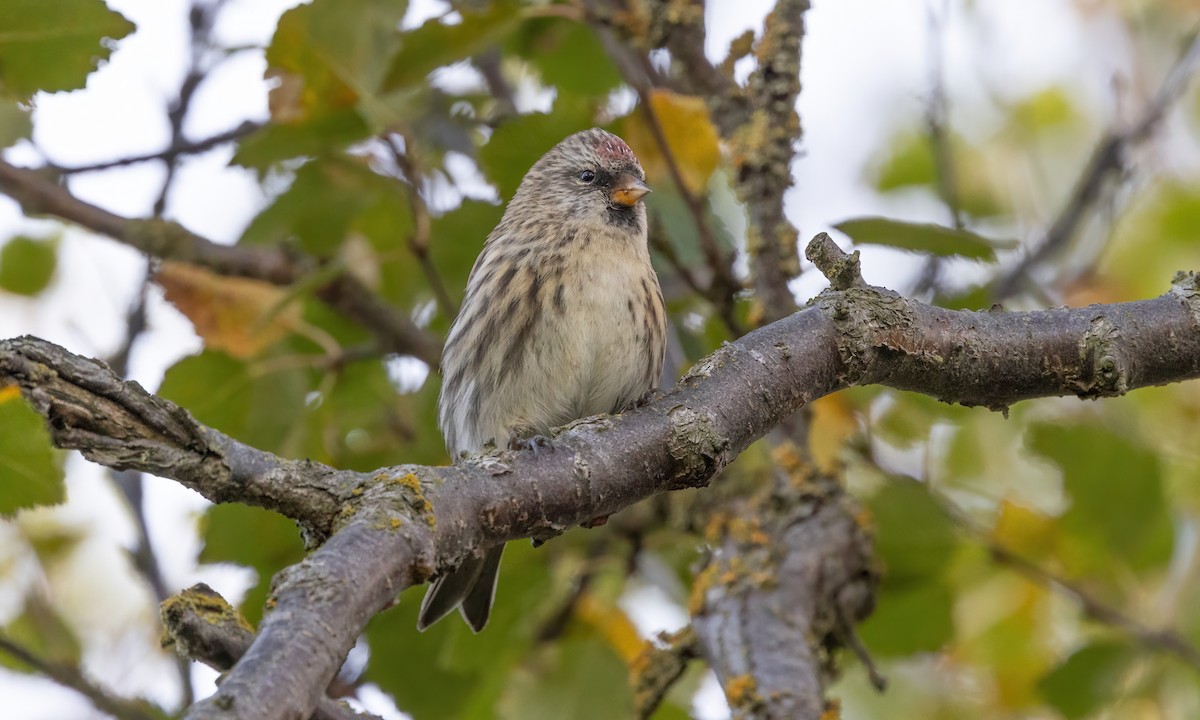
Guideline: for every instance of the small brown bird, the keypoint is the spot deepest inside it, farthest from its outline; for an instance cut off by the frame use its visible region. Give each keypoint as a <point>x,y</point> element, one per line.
<point>563,318</point>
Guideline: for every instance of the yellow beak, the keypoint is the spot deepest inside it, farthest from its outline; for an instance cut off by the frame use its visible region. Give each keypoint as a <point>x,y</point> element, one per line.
<point>628,190</point>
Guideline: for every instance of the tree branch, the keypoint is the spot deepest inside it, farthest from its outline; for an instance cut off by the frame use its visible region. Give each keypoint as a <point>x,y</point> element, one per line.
<point>398,526</point>
<point>201,625</point>
<point>395,331</point>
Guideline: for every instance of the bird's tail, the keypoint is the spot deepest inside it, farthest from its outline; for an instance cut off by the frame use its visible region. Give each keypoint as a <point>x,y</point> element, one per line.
<point>471,588</point>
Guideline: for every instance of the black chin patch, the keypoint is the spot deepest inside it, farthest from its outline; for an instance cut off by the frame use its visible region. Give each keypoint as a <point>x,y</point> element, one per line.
<point>626,218</point>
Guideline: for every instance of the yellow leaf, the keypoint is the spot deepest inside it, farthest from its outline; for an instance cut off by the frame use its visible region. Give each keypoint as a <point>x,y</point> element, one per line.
<point>613,624</point>
<point>9,392</point>
<point>690,136</point>
<point>1025,531</point>
<point>238,315</point>
<point>833,420</point>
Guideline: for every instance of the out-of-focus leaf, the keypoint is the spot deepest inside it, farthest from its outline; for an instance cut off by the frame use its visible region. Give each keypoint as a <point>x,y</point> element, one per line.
<point>330,54</point>
<point>1118,509</point>
<point>240,316</point>
<point>1168,211</point>
<point>690,135</point>
<point>52,46</point>
<point>569,56</point>
<point>580,679</point>
<point>436,43</point>
<point>255,538</point>
<point>912,618</point>
<point>326,201</point>
<point>517,144</point>
<point>27,265</point>
<point>456,239</point>
<point>318,136</point>
<point>1048,108</point>
<point>1025,531</point>
<point>909,163</point>
<point>1088,679</point>
<point>833,420</point>
<point>914,538</point>
<point>448,671</point>
<point>922,237</point>
<point>258,408</point>
<point>30,471</point>
<point>42,631</point>
<point>15,123</point>
<point>905,422</point>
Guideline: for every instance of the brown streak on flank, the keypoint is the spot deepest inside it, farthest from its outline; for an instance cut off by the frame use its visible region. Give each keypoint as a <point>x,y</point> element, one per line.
<point>560,302</point>
<point>567,238</point>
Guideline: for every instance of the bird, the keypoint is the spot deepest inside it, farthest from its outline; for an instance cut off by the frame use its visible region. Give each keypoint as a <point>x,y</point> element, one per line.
<point>563,318</point>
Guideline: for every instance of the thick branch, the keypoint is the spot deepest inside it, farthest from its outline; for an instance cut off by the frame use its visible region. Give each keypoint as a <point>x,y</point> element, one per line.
<point>201,625</point>
<point>395,331</point>
<point>398,526</point>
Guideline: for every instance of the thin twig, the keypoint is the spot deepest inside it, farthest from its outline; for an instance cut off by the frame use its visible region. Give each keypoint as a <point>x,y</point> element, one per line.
<point>418,242</point>
<point>1108,160</point>
<point>185,147</point>
<point>393,328</point>
<point>722,290</point>
<point>936,119</point>
<point>71,676</point>
<point>1164,640</point>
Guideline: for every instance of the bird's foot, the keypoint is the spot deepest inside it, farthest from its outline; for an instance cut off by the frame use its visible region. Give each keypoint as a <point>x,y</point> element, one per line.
<point>642,400</point>
<point>536,443</point>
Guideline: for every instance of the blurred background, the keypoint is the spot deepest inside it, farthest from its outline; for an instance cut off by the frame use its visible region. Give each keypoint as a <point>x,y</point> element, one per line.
<point>1034,153</point>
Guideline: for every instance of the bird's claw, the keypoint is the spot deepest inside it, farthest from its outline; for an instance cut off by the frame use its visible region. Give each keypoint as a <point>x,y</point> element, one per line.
<point>641,400</point>
<point>535,443</point>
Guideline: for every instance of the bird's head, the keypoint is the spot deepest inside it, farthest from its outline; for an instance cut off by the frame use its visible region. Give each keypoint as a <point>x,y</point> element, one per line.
<point>590,178</point>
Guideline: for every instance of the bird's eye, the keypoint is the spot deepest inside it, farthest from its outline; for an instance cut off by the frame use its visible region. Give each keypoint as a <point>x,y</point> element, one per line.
<point>587,176</point>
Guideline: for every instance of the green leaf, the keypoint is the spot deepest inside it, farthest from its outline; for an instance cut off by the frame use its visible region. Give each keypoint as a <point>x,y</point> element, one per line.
<point>1118,508</point>
<point>922,237</point>
<point>456,239</point>
<point>917,617</point>
<point>263,409</point>
<point>30,470</point>
<point>582,679</point>
<point>326,198</point>
<point>517,144</point>
<point>569,56</point>
<point>1087,680</point>
<point>1050,107</point>
<point>27,265</point>
<point>448,671</point>
<point>914,538</point>
<point>52,46</point>
<point>324,134</point>
<point>332,54</point>
<point>15,123</point>
<point>436,43</point>
<point>43,631</point>
<point>910,164</point>
<point>255,538</point>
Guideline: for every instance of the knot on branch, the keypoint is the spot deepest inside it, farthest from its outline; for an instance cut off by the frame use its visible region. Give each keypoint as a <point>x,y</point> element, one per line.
<point>1103,366</point>
<point>842,270</point>
<point>696,446</point>
<point>1186,285</point>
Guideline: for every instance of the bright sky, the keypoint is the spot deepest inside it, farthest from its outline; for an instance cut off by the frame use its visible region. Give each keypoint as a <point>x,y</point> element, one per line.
<point>865,71</point>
